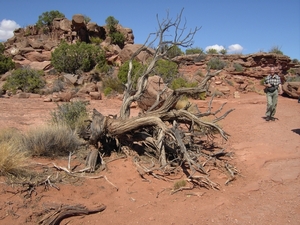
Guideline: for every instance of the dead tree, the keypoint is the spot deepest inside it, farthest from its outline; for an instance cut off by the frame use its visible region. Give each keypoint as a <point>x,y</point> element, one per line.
<point>167,135</point>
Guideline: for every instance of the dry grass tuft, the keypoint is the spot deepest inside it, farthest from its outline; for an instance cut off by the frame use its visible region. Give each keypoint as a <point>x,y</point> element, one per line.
<point>12,158</point>
<point>51,141</point>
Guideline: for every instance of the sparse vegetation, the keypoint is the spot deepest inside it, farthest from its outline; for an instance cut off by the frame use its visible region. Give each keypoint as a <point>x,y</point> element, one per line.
<point>165,69</point>
<point>174,51</point>
<point>238,67</point>
<point>96,40</point>
<point>25,79</point>
<point>6,63</point>
<point>179,184</point>
<point>80,56</point>
<point>12,158</point>
<point>216,64</point>
<point>137,69</point>
<point>116,37</point>
<point>276,50</point>
<point>223,51</point>
<point>196,50</point>
<point>181,82</point>
<point>70,114</point>
<point>111,84</point>
<point>51,141</point>
<point>212,51</point>
<point>58,85</point>
<point>47,17</point>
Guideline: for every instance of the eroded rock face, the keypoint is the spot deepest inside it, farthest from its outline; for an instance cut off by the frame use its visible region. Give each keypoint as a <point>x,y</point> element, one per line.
<point>292,89</point>
<point>155,85</point>
<point>33,45</point>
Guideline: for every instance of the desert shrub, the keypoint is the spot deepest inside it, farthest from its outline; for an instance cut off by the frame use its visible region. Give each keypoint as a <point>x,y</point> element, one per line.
<point>174,51</point>
<point>107,91</point>
<point>276,50</point>
<point>223,51</point>
<point>80,56</point>
<point>229,82</point>
<point>216,64</point>
<point>116,37</point>
<point>200,57</point>
<point>103,67</point>
<point>293,79</point>
<point>25,79</point>
<point>238,67</point>
<point>47,17</point>
<point>212,51</point>
<point>58,85</point>
<point>70,114</point>
<point>111,84</point>
<point>165,69</point>
<point>6,63</point>
<point>137,70</point>
<point>12,157</point>
<point>191,51</point>
<point>51,141</point>
<point>96,40</point>
<point>87,19</point>
<point>296,61</point>
<point>179,184</point>
<point>180,82</point>
<point>262,81</point>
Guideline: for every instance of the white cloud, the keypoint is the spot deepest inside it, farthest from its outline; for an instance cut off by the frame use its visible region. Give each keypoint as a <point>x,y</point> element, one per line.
<point>7,28</point>
<point>217,47</point>
<point>236,48</point>
<point>232,49</point>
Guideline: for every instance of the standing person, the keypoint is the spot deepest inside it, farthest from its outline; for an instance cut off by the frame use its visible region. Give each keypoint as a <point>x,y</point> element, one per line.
<point>273,88</point>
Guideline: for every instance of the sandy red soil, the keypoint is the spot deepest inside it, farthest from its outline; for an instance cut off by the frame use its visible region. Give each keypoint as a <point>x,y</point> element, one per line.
<point>267,191</point>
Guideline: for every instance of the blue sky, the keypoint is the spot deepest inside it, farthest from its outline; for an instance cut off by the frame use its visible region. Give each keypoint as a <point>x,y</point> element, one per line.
<point>240,26</point>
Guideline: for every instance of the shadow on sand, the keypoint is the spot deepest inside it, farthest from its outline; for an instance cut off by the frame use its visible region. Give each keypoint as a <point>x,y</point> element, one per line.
<point>297,131</point>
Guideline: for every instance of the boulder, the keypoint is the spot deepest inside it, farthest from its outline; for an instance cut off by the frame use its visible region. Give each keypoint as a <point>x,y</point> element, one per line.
<point>292,89</point>
<point>126,53</point>
<point>154,87</point>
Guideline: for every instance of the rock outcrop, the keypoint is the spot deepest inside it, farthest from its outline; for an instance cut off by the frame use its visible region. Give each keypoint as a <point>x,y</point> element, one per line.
<point>32,47</point>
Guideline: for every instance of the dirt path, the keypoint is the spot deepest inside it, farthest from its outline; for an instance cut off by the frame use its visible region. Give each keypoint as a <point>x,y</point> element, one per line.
<point>266,153</point>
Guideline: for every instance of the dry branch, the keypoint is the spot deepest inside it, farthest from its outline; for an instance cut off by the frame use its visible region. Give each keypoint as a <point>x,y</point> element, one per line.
<point>167,134</point>
<point>54,218</point>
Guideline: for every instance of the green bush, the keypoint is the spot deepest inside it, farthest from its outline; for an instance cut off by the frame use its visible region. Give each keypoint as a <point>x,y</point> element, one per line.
<point>6,63</point>
<point>80,56</point>
<point>165,69</point>
<point>180,82</point>
<point>191,51</point>
<point>238,67</point>
<point>25,79</point>
<point>70,114</point>
<point>174,51</point>
<point>223,51</point>
<point>107,91</point>
<point>137,70</point>
<point>96,40</point>
<point>116,37</point>
<point>212,51</point>
<point>47,17</point>
<point>216,64</point>
<point>111,84</point>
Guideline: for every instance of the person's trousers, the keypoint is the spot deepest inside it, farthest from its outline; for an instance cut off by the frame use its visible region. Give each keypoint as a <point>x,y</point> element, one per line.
<point>272,99</point>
